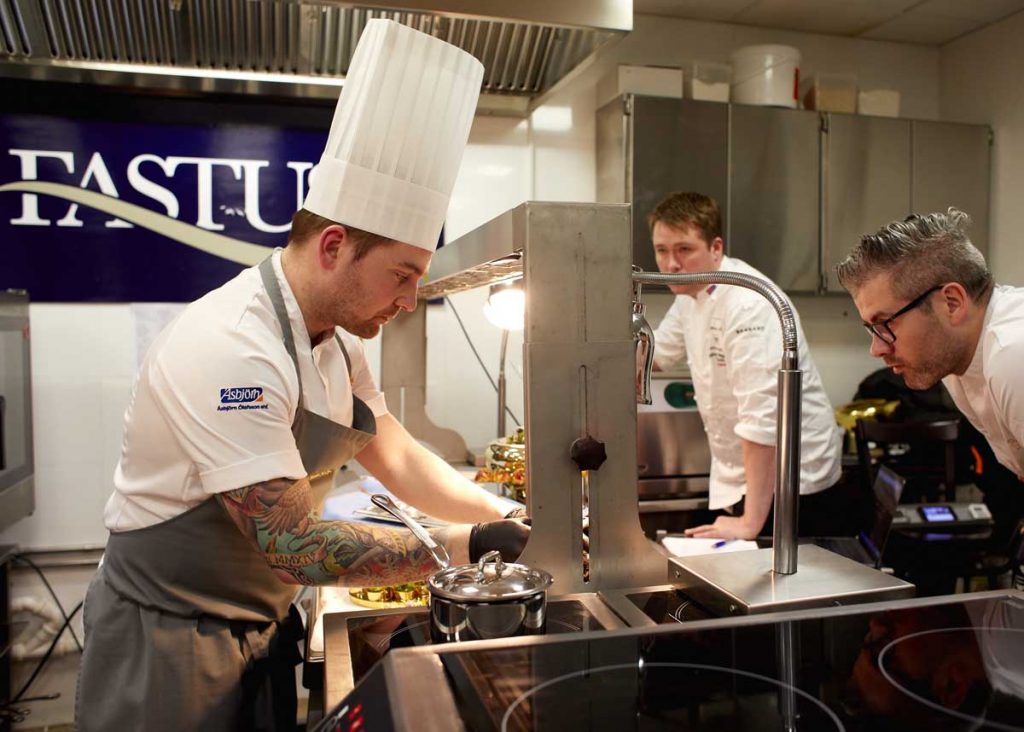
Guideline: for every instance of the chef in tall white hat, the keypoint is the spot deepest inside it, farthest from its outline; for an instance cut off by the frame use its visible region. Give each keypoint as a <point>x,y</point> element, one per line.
<point>248,403</point>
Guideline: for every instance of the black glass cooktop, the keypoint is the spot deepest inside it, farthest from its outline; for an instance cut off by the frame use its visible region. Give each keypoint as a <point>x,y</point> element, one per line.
<point>898,666</point>
<point>371,637</point>
<point>668,606</point>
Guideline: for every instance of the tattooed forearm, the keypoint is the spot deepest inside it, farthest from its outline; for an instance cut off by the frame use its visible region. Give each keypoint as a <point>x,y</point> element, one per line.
<point>280,518</point>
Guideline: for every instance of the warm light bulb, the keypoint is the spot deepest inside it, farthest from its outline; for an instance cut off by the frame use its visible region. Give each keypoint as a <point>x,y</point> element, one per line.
<point>506,308</point>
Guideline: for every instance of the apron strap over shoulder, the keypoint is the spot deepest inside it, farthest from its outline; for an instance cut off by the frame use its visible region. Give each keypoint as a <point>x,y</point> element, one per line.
<point>277,300</point>
<point>344,352</point>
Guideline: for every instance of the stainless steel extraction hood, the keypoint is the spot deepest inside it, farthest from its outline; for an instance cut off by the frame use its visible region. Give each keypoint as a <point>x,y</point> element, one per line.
<point>294,47</point>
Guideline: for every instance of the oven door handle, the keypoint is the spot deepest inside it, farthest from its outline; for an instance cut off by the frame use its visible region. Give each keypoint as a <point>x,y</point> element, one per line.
<point>673,504</point>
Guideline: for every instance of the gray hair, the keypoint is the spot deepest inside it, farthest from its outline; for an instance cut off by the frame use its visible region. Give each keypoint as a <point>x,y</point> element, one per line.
<point>920,252</point>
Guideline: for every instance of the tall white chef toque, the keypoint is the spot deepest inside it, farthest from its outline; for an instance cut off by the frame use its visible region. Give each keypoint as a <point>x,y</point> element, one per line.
<point>397,136</point>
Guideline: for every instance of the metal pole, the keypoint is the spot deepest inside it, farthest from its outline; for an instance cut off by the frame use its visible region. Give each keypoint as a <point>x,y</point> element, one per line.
<point>501,384</point>
<point>787,466</point>
<point>786,648</point>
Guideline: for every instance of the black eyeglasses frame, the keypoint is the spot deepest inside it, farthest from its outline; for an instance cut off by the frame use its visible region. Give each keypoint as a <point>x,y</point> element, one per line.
<point>881,329</point>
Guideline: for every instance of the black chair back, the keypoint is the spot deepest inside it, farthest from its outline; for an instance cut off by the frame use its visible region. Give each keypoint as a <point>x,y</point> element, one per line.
<point>922,464</point>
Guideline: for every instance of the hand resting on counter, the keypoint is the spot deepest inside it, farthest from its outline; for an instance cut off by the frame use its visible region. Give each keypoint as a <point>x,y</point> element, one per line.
<point>725,527</point>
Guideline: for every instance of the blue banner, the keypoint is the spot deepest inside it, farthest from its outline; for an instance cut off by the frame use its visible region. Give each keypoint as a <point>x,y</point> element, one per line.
<point>122,212</point>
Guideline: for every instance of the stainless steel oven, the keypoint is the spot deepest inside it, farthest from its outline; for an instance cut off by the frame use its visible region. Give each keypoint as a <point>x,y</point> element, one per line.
<point>673,458</point>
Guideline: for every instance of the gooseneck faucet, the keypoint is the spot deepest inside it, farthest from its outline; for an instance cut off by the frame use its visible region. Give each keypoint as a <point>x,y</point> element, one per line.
<point>787,430</point>
<point>643,342</point>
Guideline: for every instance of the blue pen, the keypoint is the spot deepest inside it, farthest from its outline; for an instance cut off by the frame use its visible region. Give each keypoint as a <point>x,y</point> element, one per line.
<point>720,544</point>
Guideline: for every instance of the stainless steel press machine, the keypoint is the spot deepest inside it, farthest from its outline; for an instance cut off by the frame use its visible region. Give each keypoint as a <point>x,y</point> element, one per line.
<point>582,377</point>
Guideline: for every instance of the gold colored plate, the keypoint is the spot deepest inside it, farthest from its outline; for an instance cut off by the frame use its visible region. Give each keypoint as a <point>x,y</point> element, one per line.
<point>412,594</point>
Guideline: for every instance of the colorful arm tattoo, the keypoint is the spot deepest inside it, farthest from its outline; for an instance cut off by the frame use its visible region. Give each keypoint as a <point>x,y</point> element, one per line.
<point>280,518</point>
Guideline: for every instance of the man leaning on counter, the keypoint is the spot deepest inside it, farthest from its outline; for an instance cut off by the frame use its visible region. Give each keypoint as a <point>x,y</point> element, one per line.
<point>730,339</point>
<point>255,395</point>
<point>934,312</point>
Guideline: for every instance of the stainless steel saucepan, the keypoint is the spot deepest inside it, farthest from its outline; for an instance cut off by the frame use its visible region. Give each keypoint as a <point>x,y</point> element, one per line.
<point>488,599</point>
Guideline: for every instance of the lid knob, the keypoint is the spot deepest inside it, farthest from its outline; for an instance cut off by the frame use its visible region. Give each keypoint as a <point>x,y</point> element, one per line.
<point>499,566</point>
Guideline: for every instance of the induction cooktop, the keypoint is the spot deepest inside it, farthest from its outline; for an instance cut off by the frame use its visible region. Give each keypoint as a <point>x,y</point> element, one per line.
<point>357,641</point>
<point>932,664</point>
<point>371,637</point>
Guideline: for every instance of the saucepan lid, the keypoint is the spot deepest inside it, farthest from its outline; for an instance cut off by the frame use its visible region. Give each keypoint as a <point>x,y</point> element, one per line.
<point>489,580</point>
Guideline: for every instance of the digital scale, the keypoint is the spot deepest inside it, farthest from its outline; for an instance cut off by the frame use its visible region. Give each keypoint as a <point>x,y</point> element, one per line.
<point>944,516</point>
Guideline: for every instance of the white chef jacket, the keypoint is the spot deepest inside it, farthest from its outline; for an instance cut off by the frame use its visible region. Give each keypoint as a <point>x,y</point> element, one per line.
<point>186,440</point>
<point>731,339</point>
<point>991,392</point>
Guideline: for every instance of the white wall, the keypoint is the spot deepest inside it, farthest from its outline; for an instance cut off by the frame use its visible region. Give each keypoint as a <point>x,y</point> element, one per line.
<point>496,175</point>
<point>83,366</point>
<point>981,83</point>
<point>838,343</point>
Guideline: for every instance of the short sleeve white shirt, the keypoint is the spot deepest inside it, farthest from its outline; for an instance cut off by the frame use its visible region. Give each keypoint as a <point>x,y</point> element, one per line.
<point>731,340</point>
<point>991,392</point>
<point>186,439</point>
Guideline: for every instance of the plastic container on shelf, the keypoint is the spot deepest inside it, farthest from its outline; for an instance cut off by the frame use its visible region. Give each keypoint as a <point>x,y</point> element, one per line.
<point>708,81</point>
<point>767,75</point>
<point>830,92</point>
<point>879,102</point>
<point>652,81</point>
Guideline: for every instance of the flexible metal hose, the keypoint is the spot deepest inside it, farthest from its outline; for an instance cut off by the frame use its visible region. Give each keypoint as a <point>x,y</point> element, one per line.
<point>765,288</point>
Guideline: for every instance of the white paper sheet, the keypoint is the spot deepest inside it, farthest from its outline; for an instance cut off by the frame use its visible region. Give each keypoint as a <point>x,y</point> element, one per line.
<point>684,546</point>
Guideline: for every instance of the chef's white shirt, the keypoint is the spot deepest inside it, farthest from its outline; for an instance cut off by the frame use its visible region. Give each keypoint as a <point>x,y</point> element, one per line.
<point>991,392</point>
<point>731,339</point>
<point>183,442</point>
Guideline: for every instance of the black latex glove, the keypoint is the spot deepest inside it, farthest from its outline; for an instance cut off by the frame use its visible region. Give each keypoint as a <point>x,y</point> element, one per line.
<point>520,513</point>
<point>507,536</point>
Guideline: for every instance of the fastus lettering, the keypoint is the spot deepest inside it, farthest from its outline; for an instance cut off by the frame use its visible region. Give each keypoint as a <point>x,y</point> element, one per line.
<point>151,176</point>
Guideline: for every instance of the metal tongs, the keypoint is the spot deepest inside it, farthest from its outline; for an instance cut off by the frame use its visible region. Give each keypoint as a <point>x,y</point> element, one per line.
<point>438,552</point>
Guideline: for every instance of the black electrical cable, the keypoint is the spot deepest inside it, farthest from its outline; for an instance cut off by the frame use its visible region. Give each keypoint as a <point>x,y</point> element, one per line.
<point>46,656</point>
<point>479,360</point>
<point>63,613</point>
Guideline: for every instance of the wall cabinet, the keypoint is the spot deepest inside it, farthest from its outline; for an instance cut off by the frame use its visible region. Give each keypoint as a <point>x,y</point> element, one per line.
<point>797,188</point>
<point>866,180</point>
<point>773,192</point>
<point>951,168</point>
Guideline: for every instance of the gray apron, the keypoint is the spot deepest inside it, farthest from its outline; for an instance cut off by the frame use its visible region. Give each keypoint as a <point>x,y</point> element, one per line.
<point>187,626</point>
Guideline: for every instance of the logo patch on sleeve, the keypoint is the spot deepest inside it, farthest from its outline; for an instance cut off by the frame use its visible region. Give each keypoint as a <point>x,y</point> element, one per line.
<point>236,398</point>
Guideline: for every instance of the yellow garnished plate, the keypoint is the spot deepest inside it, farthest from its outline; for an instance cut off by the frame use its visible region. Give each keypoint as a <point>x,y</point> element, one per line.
<point>411,594</point>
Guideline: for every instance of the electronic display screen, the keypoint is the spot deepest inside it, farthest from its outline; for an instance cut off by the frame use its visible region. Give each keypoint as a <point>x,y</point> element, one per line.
<point>937,513</point>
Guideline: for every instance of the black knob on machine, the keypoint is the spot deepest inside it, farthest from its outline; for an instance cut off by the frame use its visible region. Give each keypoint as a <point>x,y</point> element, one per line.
<point>588,453</point>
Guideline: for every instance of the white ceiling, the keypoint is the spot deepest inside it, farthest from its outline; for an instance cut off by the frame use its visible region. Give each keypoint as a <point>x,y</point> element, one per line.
<point>929,22</point>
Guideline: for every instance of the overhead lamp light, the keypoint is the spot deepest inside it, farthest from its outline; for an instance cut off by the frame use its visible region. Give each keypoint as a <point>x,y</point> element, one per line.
<point>506,306</point>
<point>506,309</point>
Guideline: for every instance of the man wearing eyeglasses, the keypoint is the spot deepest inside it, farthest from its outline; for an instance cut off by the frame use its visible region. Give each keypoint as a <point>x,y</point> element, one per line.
<point>934,312</point>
